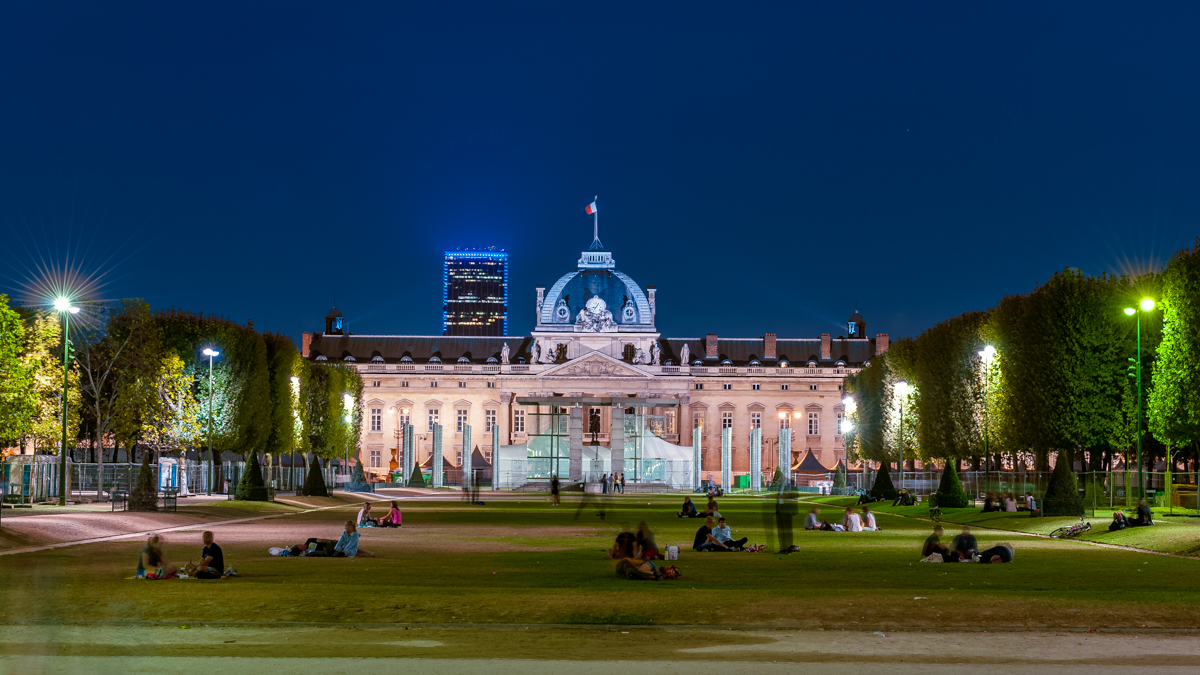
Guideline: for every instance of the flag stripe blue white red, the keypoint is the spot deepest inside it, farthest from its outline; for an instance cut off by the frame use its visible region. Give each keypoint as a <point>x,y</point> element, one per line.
<point>591,208</point>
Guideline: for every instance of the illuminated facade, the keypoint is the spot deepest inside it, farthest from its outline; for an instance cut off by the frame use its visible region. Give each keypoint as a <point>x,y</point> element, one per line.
<point>475,293</point>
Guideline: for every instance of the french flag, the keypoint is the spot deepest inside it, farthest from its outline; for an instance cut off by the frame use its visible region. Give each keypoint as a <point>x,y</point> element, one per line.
<point>591,208</point>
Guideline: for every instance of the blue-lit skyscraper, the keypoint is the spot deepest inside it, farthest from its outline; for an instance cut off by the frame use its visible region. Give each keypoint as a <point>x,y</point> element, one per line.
<point>475,293</point>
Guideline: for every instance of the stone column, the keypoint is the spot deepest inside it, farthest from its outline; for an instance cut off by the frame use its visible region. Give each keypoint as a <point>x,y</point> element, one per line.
<point>696,458</point>
<point>466,460</point>
<point>435,461</point>
<point>505,400</point>
<point>727,458</point>
<point>407,461</point>
<point>497,434</point>
<point>575,429</point>
<point>616,443</point>
<point>756,459</point>
<point>785,454</point>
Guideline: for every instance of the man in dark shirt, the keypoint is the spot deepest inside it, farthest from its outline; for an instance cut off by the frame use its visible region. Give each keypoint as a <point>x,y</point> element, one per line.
<point>933,543</point>
<point>964,544</point>
<point>701,542</point>
<point>1144,515</point>
<point>212,559</point>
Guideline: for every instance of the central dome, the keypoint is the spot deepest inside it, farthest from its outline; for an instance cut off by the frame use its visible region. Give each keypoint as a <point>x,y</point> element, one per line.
<point>596,298</point>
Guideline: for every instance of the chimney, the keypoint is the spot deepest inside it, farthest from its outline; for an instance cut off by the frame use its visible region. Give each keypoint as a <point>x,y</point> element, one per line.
<point>769,346</point>
<point>881,343</point>
<point>305,344</point>
<point>826,347</point>
<point>710,346</point>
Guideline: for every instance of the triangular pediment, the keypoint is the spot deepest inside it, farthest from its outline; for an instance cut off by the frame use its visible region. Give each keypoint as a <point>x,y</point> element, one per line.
<point>595,365</point>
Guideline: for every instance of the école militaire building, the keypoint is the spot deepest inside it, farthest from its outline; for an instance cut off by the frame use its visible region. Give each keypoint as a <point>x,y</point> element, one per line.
<point>597,355</point>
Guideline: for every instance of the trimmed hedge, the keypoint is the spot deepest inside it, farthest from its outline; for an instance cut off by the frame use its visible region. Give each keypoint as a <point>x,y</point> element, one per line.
<point>145,493</point>
<point>950,493</point>
<point>251,487</point>
<point>314,483</point>
<point>1062,494</point>
<point>883,486</point>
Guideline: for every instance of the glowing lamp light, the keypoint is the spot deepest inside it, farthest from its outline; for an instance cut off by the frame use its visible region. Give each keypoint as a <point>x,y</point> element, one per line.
<point>1129,311</point>
<point>796,414</point>
<point>847,427</point>
<point>62,304</point>
<point>988,352</point>
<point>1147,305</point>
<point>295,380</point>
<point>902,387</point>
<point>347,400</point>
<point>213,352</point>
<point>783,416</point>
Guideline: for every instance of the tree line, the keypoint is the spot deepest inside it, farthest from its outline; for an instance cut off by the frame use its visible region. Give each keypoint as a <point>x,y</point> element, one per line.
<point>139,381</point>
<point>1057,384</point>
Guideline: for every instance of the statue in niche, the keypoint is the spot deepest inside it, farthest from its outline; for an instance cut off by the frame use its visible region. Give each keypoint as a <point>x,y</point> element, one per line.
<point>683,355</point>
<point>550,353</point>
<point>628,312</point>
<point>655,353</point>
<point>535,352</point>
<point>504,354</point>
<point>639,356</point>
<point>562,311</point>
<point>595,317</point>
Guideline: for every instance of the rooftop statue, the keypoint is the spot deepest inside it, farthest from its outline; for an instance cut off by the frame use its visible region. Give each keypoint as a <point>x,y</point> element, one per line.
<point>639,356</point>
<point>655,353</point>
<point>595,317</point>
<point>683,355</point>
<point>504,354</point>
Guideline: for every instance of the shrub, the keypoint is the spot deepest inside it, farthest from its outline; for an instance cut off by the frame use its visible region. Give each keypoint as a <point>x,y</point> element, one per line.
<point>883,486</point>
<point>839,477</point>
<point>145,493</point>
<point>358,480</point>
<point>950,493</point>
<point>778,481</point>
<point>314,483</point>
<point>251,488</point>
<point>417,479</point>
<point>1062,495</point>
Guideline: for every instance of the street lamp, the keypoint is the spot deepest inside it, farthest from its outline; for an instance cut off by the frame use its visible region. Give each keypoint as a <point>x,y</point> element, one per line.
<point>1144,306</point>
<point>210,353</point>
<point>63,306</point>
<point>348,404</point>
<point>986,354</point>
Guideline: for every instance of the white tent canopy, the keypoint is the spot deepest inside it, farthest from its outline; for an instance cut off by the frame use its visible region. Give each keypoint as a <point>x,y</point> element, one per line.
<point>661,462</point>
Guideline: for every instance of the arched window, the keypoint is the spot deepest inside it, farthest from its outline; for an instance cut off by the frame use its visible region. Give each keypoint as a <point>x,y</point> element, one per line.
<point>811,364</point>
<point>434,359</point>
<point>698,362</point>
<point>463,359</point>
<point>840,364</point>
<point>668,362</point>
<point>520,359</point>
<point>755,362</point>
<point>627,353</point>
<point>727,362</point>
<point>321,358</point>
<point>784,364</point>
<point>406,359</point>
<point>492,359</point>
<point>377,359</point>
<point>348,358</point>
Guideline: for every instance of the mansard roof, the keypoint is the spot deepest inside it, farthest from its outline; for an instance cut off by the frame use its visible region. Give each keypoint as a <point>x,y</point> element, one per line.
<point>420,348</point>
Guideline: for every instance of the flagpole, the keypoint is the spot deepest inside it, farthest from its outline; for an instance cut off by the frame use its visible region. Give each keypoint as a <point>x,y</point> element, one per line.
<point>596,221</point>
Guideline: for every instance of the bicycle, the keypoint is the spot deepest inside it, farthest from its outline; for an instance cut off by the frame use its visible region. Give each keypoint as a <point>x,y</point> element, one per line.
<point>1072,530</point>
<point>935,512</point>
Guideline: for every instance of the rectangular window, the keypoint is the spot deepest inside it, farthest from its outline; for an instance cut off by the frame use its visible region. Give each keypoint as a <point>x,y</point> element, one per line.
<point>460,418</point>
<point>727,386</point>
<point>839,387</point>
<point>812,387</point>
<point>518,421</point>
<point>433,384</point>
<point>785,421</point>
<point>840,418</point>
<point>491,385</point>
<point>404,383</point>
<point>726,419</point>
<point>375,459</point>
<point>374,383</point>
<point>784,387</point>
<point>698,420</point>
<point>376,419</point>
<point>487,454</point>
<point>755,420</point>
<point>814,427</point>
<point>403,419</point>
<point>489,420</point>
<point>699,386</point>
<point>435,417</point>
<point>756,386</point>
<point>459,456</point>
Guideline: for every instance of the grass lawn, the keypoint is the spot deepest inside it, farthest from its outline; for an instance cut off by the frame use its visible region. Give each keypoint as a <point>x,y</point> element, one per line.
<point>523,561</point>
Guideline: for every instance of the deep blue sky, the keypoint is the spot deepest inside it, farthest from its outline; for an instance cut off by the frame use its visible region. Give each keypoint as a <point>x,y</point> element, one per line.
<point>765,168</point>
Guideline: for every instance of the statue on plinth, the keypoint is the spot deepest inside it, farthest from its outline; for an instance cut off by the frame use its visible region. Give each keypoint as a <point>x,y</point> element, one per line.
<point>504,354</point>
<point>655,353</point>
<point>683,355</point>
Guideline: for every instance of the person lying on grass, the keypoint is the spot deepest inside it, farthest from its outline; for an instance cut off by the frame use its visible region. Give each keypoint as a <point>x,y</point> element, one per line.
<point>393,518</point>
<point>152,564</point>
<point>1000,553</point>
<point>1119,522</point>
<point>347,545</point>
<point>646,570</point>
<point>212,559</point>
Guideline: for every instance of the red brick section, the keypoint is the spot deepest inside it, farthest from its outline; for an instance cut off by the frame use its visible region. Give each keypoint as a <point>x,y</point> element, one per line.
<point>710,346</point>
<point>826,347</point>
<point>769,346</point>
<point>881,343</point>
<point>305,344</point>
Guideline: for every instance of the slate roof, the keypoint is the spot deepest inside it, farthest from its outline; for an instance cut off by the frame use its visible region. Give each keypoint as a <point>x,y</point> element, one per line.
<point>810,464</point>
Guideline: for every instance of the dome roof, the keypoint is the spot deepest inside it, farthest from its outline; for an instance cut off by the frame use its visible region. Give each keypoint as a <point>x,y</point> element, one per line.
<point>333,313</point>
<point>856,317</point>
<point>614,302</point>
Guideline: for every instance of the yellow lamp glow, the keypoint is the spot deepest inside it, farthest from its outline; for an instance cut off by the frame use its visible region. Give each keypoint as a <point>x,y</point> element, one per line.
<point>1147,305</point>
<point>1129,311</point>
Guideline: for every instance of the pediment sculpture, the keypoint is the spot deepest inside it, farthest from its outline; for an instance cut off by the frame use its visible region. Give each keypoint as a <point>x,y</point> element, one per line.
<point>595,317</point>
<point>595,366</point>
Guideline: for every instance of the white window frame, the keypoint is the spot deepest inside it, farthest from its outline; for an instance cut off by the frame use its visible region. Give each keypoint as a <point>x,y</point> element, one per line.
<point>518,421</point>
<point>433,417</point>
<point>727,386</point>
<point>756,386</point>
<point>814,424</point>
<point>461,416</point>
<point>376,419</point>
<point>841,416</point>
<point>785,387</point>
<point>376,458</point>
<point>489,420</point>
<point>755,419</point>
<point>726,419</point>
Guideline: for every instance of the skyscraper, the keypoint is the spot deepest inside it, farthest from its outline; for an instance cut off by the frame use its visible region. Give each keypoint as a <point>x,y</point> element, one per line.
<point>475,293</point>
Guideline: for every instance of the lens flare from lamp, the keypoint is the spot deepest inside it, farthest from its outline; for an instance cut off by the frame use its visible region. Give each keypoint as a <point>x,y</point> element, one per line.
<point>1147,305</point>
<point>847,427</point>
<point>1129,311</point>
<point>62,304</point>
<point>212,352</point>
<point>902,387</point>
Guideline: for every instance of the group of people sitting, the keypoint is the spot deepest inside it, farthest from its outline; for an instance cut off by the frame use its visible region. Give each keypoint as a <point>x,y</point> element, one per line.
<point>851,521</point>
<point>963,548</point>
<point>689,509</point>
<point>636,553</point>
<point>346,546</point>
<point>393,518</point>
<point>1008,502</point>
<point>718,538</point>
<point>152,563</point>
<point>1121,521</point>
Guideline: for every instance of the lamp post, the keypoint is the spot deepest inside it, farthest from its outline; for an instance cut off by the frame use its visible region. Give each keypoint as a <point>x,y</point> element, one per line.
<point>64,307</point>
<point>348,404</point>
<point>986,354</point>
<point>901,392</point>
<point>210,353</point>
<point>1144,306</point>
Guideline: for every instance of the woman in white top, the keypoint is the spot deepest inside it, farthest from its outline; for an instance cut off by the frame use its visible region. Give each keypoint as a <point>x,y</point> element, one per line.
<point>1010,504</point>
<point>852,521</point>
<point>868,520</point>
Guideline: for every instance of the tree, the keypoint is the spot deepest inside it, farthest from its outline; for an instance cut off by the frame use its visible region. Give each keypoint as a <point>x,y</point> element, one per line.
<point>251,487</point>
<point>950,493</point>
<point>839,477</point>
<point>778,481</point>
<point>883,486</point>
<point>144,496</point>
<point>1062,495</point>
<point>17,403</point>
<point>950,374</point>
<point>172,420</point>
<point>41,360</point>
<point>314,482</point>
<point>417,479</point>
<point>1174,401</point>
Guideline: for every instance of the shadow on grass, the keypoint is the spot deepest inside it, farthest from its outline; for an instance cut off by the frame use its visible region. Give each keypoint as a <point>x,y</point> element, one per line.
<point>610,619</point>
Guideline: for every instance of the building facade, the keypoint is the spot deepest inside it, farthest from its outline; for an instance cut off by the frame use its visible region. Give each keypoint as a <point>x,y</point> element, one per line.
<point>595,336</point>
<point>475,293</point>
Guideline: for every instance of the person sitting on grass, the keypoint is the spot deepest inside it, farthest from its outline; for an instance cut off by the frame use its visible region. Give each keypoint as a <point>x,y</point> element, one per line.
<point>1119,522</point>
<point>152,564</point>
<point>933,544</point>
<point>852,521</point>
<point>1144,515</point>
<point>705,541</point>
<point>964,545</point>
<point>813,520</point>
<point>990,503</point>
<point>364,518</point>
<point>623,546</point>
<point>724,536</point>
<point>903,498</point>
<point>347,545</point>
<point>1010,504</point>
<point>689,509</point>
<point>393,518</point>
<point>1000,553</point>
<point>212,559</point>
<point>868,520</point>
<point>646,548</point>
<point>710,509</point>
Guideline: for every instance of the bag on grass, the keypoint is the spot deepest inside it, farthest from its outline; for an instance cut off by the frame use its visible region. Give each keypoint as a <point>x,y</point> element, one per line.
<point>672,553</point>
<point>933,557</point>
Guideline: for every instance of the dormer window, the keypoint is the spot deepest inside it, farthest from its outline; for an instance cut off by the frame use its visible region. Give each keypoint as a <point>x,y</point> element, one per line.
<point>755,362</point>
<point>784,364</point>
<point>463,359</point>
<point>840,364</point>
<point>321,358</point>
<point>668,362</point>
<point>811,364</point>
<point>377,359</point>
<point>349,358</point>
<point>406,359</point>
<point>492,359</point>
<point>727,362</point>
<point>434,359</point>
<point>520,359</point>
<point>698,362</point>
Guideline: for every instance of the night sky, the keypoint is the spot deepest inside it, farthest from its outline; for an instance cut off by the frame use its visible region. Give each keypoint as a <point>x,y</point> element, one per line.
<point>765,168</point>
